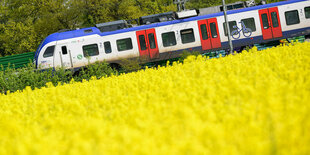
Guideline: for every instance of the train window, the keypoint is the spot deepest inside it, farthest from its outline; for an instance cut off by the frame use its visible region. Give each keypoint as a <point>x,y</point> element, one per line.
<point>64,50</point>
<point>49,52</point>
<point>124,44</point>
<point>187,36</point>
<point>231,26</point>
<point>265,21</point>
<point>229,7</point>
<point>238,6</point>
<point>90,50</point>
<point>249,23</point>
<point>274,19</point>
<point>107,47</point>
<point>307,12</point>
<point>142,42</point>
<point>169,39</point>
<point>204,31</point>
<point>292,17</point>
<point>152,40</point>
<point>213,30</point>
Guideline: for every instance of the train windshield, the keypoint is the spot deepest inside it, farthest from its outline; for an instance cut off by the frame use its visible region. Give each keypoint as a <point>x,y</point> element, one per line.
<point>39,48</point>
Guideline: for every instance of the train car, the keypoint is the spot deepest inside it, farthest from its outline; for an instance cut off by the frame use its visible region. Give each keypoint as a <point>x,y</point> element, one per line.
<point>168,37</point>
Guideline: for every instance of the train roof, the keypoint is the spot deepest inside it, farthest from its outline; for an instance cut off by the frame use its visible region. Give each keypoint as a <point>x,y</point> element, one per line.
<point>94,30</point>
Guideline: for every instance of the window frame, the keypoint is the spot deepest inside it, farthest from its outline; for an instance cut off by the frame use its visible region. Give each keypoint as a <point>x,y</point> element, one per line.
<point>286,18</point>
<point>118,44</point>
<point>152,41</point>
<point>173,43</point>
<point>142,42</point>
<point>274,20</point>
<point>264,21</point>
<point>204,31</point>
<point>213,30</point>
<point>251,18</point>
<point>110,47</point>
<point>44,54</point>
<point>64,50</point>
<point>305,12</point>
<point>96,54</point>
<point>225,28</point>
<point>183,35</point>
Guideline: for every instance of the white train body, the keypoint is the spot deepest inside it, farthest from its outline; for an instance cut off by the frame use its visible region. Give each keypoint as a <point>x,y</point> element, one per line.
<point>165,40</point>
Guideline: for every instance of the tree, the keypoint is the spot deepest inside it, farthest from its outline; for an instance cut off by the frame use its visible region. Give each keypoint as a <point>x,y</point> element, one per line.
<point>25,23</point>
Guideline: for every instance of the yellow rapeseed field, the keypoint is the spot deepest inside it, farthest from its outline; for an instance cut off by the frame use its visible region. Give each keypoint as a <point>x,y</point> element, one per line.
<point>256,102</point>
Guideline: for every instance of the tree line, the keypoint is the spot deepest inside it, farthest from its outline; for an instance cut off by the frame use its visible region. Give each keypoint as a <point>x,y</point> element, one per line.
<point>25,23</point>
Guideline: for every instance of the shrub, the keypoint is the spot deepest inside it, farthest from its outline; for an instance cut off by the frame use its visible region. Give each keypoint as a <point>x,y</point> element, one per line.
<point>18,79</point>
<point>98,69</point>
<point>185,54</point>
<point>131,65</point>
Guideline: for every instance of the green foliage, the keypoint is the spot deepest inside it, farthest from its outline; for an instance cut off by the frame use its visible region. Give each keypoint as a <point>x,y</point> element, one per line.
<point>196,4</point>
<point>98,11</point>
<point>17,79</point>
<point>185,54</point>
<point>98,70</point>
<point>25,23</point>
<point>130,65</point>
<point>16,37</point>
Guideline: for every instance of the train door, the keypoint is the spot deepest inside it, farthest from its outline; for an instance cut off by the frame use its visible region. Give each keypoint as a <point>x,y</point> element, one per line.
<point>209,34</point>
<point>147,43</point>
<point>65,56</point>
<point>270,23</point>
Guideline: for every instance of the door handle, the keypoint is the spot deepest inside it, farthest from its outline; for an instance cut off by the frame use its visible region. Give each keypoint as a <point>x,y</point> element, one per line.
<point>61,61</point>
<point>70,58</point>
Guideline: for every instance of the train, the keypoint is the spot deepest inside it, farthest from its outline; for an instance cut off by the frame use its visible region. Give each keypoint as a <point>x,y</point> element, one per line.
<point>165,36</point>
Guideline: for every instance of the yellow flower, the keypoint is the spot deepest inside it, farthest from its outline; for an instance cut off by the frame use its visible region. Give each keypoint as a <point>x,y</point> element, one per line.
<point>256,102</point>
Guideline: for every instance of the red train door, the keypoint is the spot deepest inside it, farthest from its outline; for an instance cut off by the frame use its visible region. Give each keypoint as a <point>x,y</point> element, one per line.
<point>270,23</point>
<point>147,42</point>
<point>209,34</point>
<point>215,36</point>
<point>276,25</point>
<point>204,34</point>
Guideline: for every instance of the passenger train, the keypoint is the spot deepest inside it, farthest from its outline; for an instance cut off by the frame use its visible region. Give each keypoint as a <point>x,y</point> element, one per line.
<point>169,35</point>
